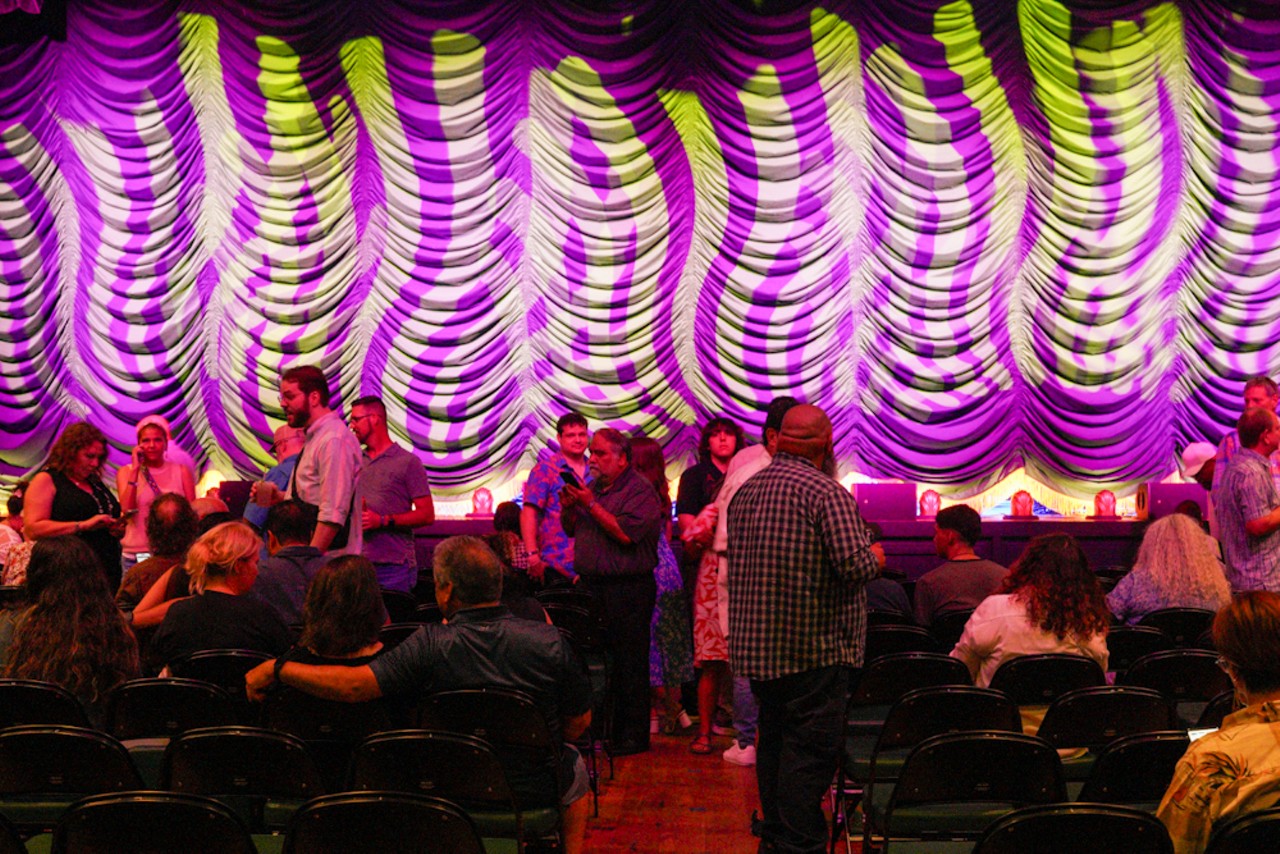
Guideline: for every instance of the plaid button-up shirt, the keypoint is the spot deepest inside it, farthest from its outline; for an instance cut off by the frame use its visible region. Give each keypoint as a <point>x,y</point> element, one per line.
<point>799,559</point>
<point>1247,492</point>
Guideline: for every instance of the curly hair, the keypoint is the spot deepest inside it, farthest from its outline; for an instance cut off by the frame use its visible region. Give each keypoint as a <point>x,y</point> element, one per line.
<point>343,611</point>
<point>719,424</point>
<point>1179,561</point>
<point>646,456</point>
<point>72,634</point>
<point>1062,595</point>
<point>219,549</point>
<point>75,438</point>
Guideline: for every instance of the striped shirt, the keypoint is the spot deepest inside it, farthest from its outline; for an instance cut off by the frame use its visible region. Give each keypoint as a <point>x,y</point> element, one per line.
<point>799,559</point>
<point>1247,492</point>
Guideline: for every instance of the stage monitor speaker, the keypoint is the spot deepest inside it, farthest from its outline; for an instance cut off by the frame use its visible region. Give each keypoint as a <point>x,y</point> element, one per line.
<point>1160,499</point>
<point>236,494</point>
<point>878,501</point>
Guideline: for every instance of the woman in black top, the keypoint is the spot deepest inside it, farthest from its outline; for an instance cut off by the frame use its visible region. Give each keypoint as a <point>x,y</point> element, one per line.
<point>69,497</point>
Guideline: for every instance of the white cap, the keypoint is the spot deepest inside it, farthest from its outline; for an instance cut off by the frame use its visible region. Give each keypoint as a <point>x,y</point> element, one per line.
<point>1195,456</point>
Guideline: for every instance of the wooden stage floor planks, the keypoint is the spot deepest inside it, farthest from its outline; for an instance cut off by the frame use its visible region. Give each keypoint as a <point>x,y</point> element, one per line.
<point>670,801</point>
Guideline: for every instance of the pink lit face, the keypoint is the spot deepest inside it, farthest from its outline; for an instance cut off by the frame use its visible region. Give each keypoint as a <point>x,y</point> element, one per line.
<point>1257,396</point>
<point>152,444</point>
<point>723,445</point>
<point>89,460</point>
<point>573,440</point>
<point>296,405</point>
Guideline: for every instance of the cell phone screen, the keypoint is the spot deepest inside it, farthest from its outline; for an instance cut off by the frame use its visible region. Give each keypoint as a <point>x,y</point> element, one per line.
<point>568,478</point>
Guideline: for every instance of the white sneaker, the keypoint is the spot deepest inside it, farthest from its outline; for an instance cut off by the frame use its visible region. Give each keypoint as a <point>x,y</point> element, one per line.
<point>744,756</point>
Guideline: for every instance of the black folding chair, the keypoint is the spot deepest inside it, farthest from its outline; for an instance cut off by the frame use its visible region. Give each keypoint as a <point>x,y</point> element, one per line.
<point>146,713</point>
<point>947,628</point>
<point>882,617</point>
<point>1092,718</point>
<point>1215,710</point>
<point>886,640</point>
<point>1126,644</point>
<point>225,668</point>
<point>1189,677</point>
<point>1075,829</point>
<point>385,822</point>
<point>401,607</point>
<point>1135,770</point>
<point>153,822</point>
<point>28,701</point>
<point>10,839</point>
<point>1249,834</point>
<point>427,612</point>
<point>394,634</point>
<point>330,729</point>
<point>1038,680</point>
<point>1184,626</point>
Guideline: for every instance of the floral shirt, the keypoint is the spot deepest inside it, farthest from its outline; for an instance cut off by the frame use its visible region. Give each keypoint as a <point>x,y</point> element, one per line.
<point>542,491</point>
<point>1228,773</point>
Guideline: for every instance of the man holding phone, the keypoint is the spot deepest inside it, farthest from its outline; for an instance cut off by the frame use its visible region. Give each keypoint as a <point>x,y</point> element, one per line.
<point>545,542</point>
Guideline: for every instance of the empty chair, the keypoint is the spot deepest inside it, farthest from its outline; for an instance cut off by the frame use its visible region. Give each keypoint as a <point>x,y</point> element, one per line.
<point>264,774</point>
<point>887,678</point>
<point>401,607</point>
<point>1126,644</point>
<point>568,596</point>
<point>44,769</point>
<point>1249,834</point>
<point>954,785</point>
<point>1184,626</point>
<point>145,713</point>
<point>947,628</point>
<point>1189,677</point>
<point>1135,769</point>
<point>1075,829</point>
<point>1094,717</point>
<point>394,634</point>
<point>1038,680</point>
<point>886,640</point>
<point>155,822</point>
<point>28,701</point>
<point>385,822</point>
<point>330,729</point>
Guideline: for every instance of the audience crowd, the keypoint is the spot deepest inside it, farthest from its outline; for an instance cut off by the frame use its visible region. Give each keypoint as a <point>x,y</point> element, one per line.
<point>752,592</point>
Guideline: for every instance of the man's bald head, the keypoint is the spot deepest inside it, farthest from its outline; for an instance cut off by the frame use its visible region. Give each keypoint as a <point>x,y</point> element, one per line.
<point>806,432</point>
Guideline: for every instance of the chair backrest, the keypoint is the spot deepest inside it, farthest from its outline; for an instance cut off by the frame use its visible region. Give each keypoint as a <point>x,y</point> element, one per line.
<point>577,623</point>
<point>978,767</point>
<point>28,701</point>
<point>885,679</point>
<point>947,628</point>
<point>883,617</point>
<point>62,759</point>
<point>1094,717</point>
<point>885,640</point>
<point>1038,680</point>
<point>1135,769</point>
<point>10,839</point>
<point>927,712</point>
<point>1248,834</point>
<point>1075,829</point>
<point>428,612</point>
<point>1217,709</point>
<point>386,822</point>
<point>163,708</point>
<point>239,760</point>
<point>394,634</point>
<point>151,821</point>
<point>568,596</point>
<point>1183,675</point>
<point>1184,626</point>
<point>401,607</point>
<point>1126,644</point>
<point>222,667</point>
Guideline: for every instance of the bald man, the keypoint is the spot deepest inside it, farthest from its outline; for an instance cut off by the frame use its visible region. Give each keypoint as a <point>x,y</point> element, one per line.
<point>800,557</point>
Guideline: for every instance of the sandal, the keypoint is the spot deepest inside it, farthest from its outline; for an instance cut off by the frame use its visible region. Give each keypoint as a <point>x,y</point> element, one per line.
<point>701,745</point>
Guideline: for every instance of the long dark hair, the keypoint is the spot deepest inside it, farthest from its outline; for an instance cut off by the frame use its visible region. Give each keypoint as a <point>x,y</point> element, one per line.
<point>646,456</point>
<point>72,634</point>
<point>1062,594</point>
<point>343,611</point>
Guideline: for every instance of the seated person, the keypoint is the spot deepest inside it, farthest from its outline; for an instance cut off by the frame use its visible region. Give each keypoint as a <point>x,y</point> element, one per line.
<point>1050,602</point>
<point>482,645</point>
<point>1235,770</point>
<point>291,560</point>
<point>884,594</point>
<point>171,526</point>
<point>1177,567</point>
<point>517,590</point>
<point>965,579</point>
<point>223,565</point>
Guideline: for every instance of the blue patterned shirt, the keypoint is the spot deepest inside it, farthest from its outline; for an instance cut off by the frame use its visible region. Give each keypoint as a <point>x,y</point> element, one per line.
<point>542,491</point>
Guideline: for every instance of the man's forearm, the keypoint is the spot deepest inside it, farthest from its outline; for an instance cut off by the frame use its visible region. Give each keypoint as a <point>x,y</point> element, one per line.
<point>324,534</point>
<point>1264,525</point>
<point>529,527</point>
<point>608,523</point>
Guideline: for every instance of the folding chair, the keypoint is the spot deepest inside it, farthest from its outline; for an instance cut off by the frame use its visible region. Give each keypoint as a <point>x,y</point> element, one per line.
<point>1038,680</point>
<point>583,627</point>
<point>1184,626</point>
<point>1092,718</point>
<point>44,769</point>
<point>10,840</point>
<point>1215,710</point>
<point>427,612</point>
<point>947,628</point>
<point>385,822</point>
<point>886,640</point>
<point>401,607</point>
<point>154,822</point>
<point>1249,834</point>
<point>394,634</point>
<point>330,729</point>
<point>1189,677</point>
<point>1075,829</point>
<point>226,669</point>
<point>1135,770</point>
<point>1126,644</point>
<point>262,774</point>
<point>29,701</point>
<point>146,713</point>
<point>881,617</point>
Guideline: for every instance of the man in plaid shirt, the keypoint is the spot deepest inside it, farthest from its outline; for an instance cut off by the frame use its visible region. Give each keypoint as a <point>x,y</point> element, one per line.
<point>799,559</point>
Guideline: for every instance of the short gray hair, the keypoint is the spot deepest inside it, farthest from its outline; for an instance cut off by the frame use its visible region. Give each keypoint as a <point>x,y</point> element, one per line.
<point>471,566</point>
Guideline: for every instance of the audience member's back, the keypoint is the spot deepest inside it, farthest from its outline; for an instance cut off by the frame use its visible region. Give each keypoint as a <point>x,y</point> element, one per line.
<point>965,579</point>
<point>292,562</point>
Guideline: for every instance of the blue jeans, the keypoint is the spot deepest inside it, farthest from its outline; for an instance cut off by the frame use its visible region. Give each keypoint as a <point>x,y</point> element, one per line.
<point>745,711</point>
<point>397,576</point>
<point>802,719</point>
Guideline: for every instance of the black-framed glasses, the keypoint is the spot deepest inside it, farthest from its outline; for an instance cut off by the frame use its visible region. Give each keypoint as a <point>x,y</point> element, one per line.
<point>1222,663</point>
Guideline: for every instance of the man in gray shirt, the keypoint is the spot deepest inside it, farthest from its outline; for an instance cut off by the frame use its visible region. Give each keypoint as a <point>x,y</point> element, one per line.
<point>397,497</point>
<point>965,579</point>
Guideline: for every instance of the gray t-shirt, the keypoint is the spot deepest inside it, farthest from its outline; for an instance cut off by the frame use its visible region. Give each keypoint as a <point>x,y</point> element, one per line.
<point>957,585</point>
<point>388,483</point>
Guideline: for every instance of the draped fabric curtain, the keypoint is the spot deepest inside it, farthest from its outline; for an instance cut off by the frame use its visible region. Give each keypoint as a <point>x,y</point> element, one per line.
<point>980,235</point>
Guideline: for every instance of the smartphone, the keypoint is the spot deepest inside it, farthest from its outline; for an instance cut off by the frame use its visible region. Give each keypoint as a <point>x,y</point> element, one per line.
<point>568,478</point>
<point>128,514</point>
<point>141,556</point>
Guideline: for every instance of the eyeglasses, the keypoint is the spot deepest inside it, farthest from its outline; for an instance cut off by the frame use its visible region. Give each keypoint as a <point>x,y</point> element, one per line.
<point>354,418</point>
<point>1222,663</point>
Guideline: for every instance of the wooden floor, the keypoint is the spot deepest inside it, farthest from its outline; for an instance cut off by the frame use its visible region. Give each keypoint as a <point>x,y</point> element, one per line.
<point>670,800</point>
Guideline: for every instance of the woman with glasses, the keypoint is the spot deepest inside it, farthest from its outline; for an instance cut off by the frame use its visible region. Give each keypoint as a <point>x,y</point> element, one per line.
<point>1235,770</point>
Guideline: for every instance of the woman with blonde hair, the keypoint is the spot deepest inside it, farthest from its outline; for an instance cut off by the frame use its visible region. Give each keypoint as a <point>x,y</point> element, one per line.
<point>1177,567</point>
<point>222,565</point>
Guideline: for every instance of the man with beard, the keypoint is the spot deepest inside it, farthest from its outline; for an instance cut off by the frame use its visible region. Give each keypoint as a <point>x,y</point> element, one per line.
<point>325,475</point>
<point>397,497</point>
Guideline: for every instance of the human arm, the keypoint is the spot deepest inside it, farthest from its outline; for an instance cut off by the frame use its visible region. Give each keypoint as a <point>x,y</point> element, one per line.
<point>581,500</point>
<point>340,453</point>
<point>328,681</point>
<point>38,507</point>
<point>1263,525</point>
<point>529,538</point>
<point>569,509</point>
<point>973,647</point>
<point>127,484</point>
<point>576,725</point>
<point>1185,810</point>
<point>153,607</point>
<point>423,513</point>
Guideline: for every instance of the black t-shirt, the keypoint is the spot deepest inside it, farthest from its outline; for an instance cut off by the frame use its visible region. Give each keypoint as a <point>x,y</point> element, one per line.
<point>697,486</point>
<point>214,620</point>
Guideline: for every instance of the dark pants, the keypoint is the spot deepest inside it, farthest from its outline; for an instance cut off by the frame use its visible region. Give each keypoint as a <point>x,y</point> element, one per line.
<point>801,726</point>
<point>627,606</point>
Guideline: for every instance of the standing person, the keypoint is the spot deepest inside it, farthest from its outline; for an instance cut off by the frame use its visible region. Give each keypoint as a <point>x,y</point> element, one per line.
<point>286,445</point>
<point>670,645</point>
<point>1248,505</point>
<point>141,482</point>
<point>173,451</point>
<point>1260,392</point>
<point>397,497</point>
<point>325,474</point>
<point>721,439</point>
<point>965,579</point>
<point>616,524</point>
<point>545,542</point>
<point>11,527</point>
<point>799,559</point>
<point>68,497</point>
